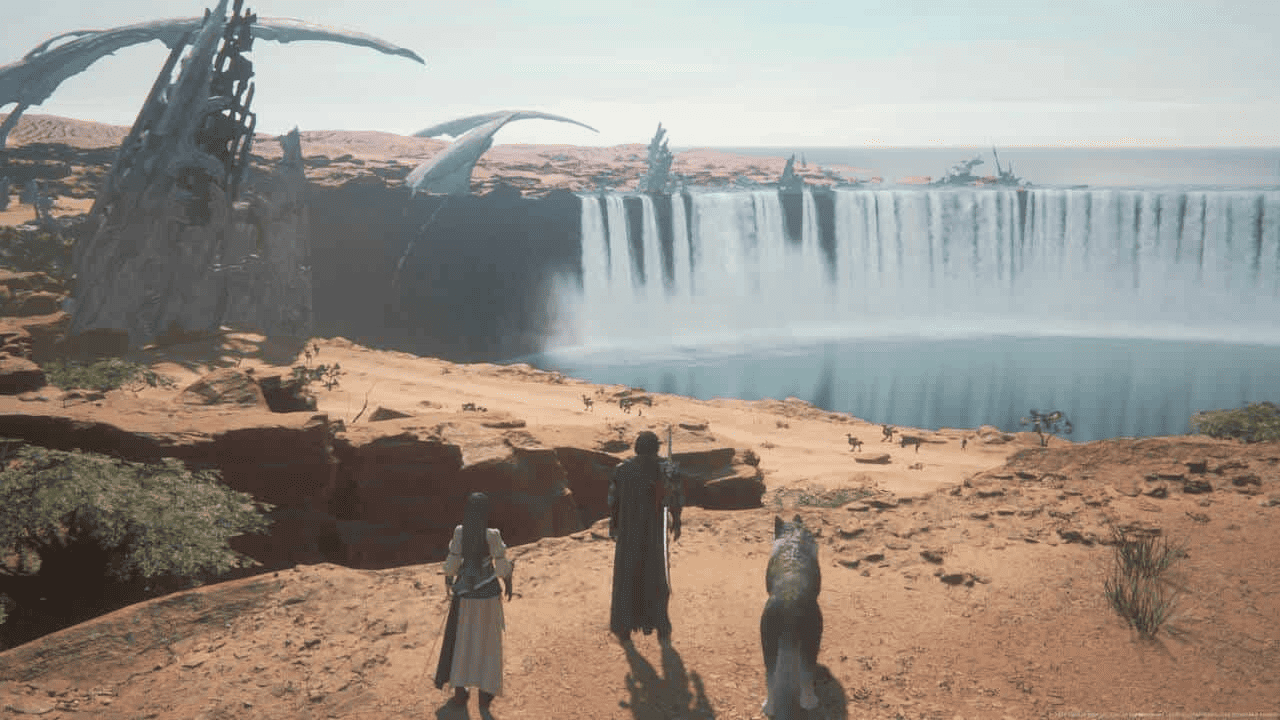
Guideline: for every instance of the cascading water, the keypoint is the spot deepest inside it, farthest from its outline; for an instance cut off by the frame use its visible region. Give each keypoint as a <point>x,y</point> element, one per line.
<point>1127,309</point>
<point>1150,264</point>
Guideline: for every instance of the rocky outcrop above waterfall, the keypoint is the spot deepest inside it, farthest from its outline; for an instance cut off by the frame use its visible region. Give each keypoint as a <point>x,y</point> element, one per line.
<point>67,154</point>
<point>790,182</point>
<point>962,174</point>
<point>657,177</point>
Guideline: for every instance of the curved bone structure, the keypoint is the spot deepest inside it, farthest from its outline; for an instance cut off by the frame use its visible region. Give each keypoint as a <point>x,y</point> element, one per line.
<point>31,80</point>
<point>449,173</point>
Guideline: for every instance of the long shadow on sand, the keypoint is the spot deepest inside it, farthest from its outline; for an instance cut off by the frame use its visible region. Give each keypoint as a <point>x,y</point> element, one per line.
<point>226,348</point>
<point>833,702</point>
<point>676,693</point>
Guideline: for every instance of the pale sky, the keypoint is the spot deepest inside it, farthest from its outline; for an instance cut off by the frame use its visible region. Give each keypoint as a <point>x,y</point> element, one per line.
<point>742,73</point>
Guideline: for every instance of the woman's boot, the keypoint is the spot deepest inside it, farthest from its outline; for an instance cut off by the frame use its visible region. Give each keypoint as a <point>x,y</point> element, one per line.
<point>460,697</point>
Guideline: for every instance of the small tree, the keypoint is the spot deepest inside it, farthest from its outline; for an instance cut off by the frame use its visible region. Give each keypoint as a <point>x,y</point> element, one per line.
<point>84,531</point>
<point>1257,422</point>
<point>1048,424</point>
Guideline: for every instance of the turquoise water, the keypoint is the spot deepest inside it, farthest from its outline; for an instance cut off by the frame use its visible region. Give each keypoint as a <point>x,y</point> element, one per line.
<point>1108,387</point>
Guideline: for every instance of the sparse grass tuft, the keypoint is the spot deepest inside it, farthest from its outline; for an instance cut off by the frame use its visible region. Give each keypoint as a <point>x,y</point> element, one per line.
<point>103,375</point>
<point>327,375</point>
<point>815,497</point>
<point>1136,587</point>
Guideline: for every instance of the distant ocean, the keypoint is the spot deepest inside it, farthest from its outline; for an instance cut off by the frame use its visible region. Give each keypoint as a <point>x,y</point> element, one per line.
<point>1056,167</point>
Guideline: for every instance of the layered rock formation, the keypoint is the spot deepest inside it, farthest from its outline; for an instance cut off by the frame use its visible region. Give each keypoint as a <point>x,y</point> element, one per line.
<point>375,495</point>
<point>31,318</point>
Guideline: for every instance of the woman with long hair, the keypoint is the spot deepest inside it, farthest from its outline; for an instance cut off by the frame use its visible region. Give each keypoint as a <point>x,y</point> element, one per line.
<point>471,652</point>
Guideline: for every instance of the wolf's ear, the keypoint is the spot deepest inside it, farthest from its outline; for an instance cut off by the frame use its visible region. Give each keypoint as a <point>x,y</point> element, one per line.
<point>777,526</point>
<point>797,520</point>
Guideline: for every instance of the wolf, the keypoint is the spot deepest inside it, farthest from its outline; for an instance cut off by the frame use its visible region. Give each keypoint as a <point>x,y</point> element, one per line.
<point>791,624</point>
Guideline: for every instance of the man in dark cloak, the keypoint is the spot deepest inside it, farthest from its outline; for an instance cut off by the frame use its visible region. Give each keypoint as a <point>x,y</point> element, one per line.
<point>641,491</point>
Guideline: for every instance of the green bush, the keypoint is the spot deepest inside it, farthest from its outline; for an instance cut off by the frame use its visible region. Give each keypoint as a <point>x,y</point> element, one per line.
<point>1136,586</point>
<point>103,375</point>
<point>83,528</point>
<point>1258,422</point>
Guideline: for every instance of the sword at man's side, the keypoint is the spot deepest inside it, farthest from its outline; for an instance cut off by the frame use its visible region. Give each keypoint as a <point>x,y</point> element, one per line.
<point>666,545</point>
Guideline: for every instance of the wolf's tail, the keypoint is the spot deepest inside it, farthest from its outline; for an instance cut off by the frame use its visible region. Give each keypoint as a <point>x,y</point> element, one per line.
<point>788,674</point>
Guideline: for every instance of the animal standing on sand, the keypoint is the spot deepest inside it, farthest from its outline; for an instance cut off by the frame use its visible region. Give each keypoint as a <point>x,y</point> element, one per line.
<point>912,440</point>
<point>888,431</point>
<point>854,443</point>
<point>625,404</point>
<point>964,442</point>
<point>791,624</point>
<point>587,403</point>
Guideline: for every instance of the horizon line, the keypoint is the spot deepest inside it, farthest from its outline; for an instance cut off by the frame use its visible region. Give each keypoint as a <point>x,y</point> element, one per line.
<point>1095,145</point>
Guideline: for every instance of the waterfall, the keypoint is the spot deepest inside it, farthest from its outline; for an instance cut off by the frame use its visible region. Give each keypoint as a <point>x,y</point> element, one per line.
<point>680,283</point>
<point>926,262</point>
<point>620,276</point>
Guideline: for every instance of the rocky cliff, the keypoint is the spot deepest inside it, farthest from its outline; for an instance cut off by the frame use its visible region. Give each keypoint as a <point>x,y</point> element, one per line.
<point>379,494</point>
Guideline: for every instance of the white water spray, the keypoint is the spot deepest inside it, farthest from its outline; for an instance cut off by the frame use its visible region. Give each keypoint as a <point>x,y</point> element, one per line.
<point>933,263</point>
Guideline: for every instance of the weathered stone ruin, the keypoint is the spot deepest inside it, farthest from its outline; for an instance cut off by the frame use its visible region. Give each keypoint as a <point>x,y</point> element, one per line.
<point>31,80</point>
<point>165,209</point>
<point>268,276</point>
<point>658,177</point>
<point>790,182</point>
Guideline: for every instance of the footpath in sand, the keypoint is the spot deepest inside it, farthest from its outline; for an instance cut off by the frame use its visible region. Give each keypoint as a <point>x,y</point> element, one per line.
<point>970,587</point>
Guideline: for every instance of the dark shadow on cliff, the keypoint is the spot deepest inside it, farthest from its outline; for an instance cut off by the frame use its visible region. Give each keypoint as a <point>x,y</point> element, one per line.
<point>676,693</point>
<point>477,279</point>
<point>226,348</point>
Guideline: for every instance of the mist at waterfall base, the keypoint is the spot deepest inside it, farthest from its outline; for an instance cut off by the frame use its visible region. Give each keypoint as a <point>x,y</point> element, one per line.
<point>1127,309</point>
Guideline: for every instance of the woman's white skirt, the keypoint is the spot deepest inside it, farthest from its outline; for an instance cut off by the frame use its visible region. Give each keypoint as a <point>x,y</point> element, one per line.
<point>477,653</point>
